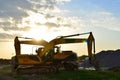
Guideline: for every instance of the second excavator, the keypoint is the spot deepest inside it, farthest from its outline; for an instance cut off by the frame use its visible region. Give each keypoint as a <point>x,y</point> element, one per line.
<point>49,57</point>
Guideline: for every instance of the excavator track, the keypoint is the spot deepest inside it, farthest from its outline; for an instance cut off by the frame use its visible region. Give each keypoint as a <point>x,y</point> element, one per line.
<point>36,70</point>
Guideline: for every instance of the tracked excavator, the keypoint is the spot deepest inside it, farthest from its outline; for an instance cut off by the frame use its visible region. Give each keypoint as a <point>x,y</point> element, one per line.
<point>49,57</point>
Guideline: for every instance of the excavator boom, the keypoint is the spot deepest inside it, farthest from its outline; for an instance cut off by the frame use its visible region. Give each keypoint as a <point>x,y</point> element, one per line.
<point>29,41</point>
<point>65,40</point>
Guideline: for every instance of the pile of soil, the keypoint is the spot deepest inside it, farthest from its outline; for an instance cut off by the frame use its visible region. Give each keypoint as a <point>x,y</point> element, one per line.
<point>107,59</point>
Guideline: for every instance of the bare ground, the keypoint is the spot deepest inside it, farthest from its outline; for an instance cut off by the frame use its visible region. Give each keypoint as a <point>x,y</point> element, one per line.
<point>6,74</point>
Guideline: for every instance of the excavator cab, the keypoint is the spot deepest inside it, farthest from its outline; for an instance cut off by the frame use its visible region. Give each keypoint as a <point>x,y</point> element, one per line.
<point>39,50</point>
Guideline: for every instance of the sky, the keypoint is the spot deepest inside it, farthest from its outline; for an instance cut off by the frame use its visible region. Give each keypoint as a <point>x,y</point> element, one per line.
<point>48,19</point>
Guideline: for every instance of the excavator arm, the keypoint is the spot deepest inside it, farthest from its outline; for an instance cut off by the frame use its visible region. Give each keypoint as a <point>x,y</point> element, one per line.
<point>29,41</point>
<point>57,41</point>
<point>64,40</point>
<point>91,47</point>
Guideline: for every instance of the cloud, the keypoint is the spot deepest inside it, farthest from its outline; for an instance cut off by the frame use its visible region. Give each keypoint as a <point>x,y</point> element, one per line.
<point>19,16</point>
<point>51,24</point>
<point>47,5</point>
<point>11,8</point>
<point>11,14</point>
<point>4,35</point>
<point>15,28</point>
<point>102,19</point>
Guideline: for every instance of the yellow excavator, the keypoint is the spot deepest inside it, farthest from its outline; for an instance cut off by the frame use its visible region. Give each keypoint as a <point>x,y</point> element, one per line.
<point>49,57</point>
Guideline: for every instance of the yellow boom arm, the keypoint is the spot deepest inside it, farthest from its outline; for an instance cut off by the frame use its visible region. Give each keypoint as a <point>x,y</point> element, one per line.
<point>17,43</point>
<point>63,40</point>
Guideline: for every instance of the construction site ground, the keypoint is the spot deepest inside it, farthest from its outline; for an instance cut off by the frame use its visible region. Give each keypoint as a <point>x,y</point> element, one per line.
<point>6,74</point>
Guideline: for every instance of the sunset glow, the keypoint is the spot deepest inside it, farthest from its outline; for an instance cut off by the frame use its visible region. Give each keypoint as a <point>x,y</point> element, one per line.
<point>48,19</point>
<point>41,33</point>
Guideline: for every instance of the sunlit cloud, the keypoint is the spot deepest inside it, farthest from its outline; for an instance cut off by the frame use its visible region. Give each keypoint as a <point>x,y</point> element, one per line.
<point>11,15</point>
<point>21,16</point>
<point>47,5</point>
<point>102,19</point>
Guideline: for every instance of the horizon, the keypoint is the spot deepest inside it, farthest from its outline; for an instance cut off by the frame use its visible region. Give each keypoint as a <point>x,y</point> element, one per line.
<point>45,19</point>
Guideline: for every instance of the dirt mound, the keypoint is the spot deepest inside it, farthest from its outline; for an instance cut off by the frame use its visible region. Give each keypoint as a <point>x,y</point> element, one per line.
<point>107,59</point>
